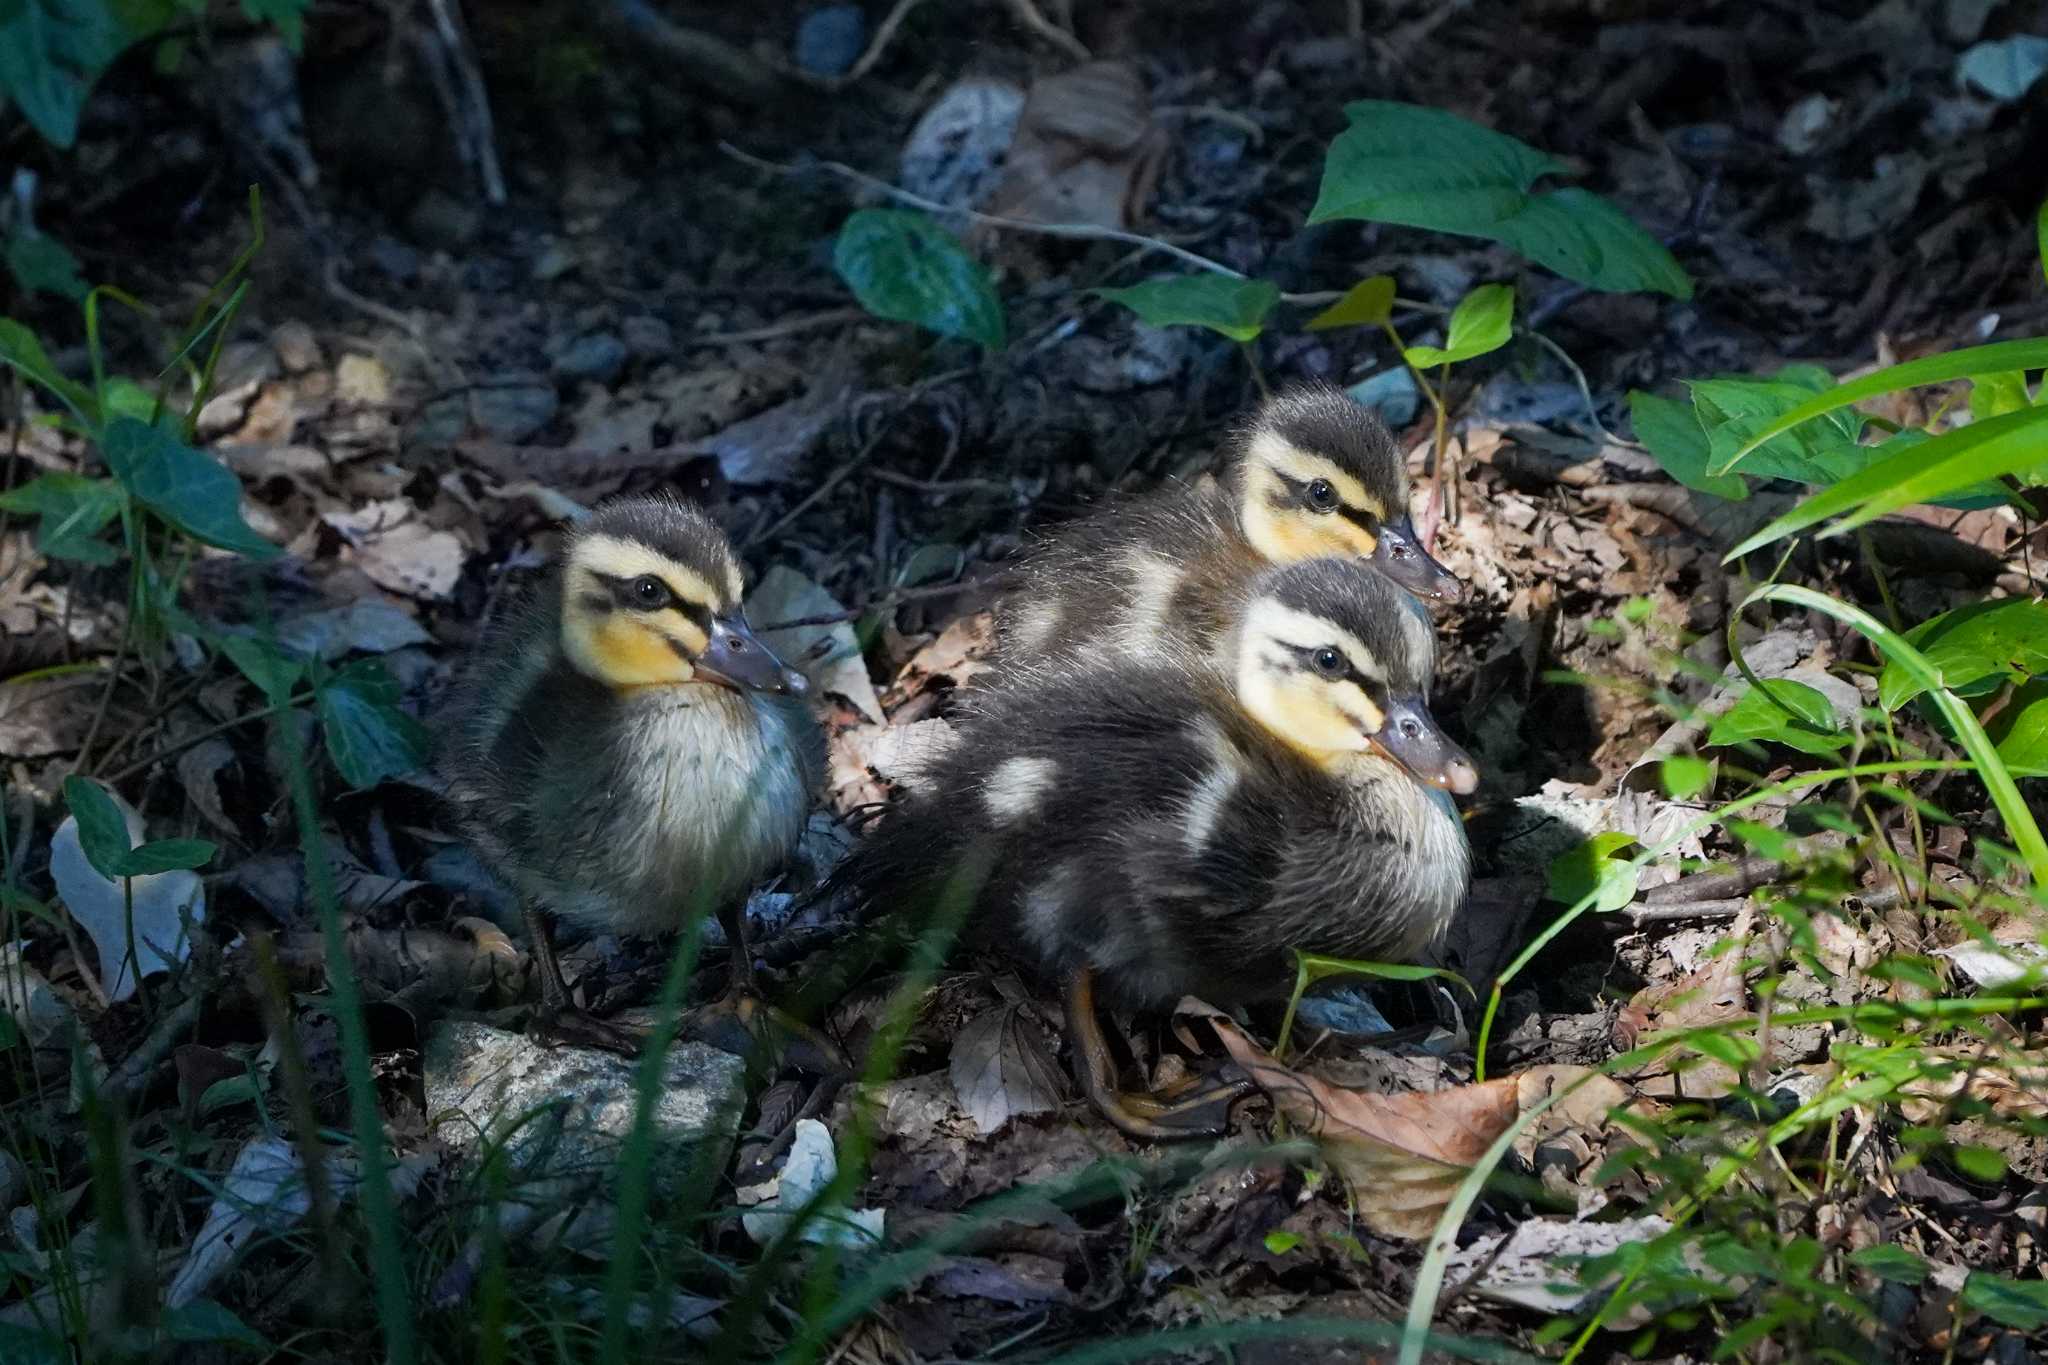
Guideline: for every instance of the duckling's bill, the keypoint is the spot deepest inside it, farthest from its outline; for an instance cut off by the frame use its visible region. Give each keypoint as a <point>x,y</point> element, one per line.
<point>1398,554</point>
<point>736,657</point>
<point>1410,736</point>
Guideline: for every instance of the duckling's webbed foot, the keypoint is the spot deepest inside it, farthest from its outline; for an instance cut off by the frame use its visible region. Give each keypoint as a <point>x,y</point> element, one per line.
<point>557,1020</point>
<point>739,1021</point>
<point>1197,1109</point>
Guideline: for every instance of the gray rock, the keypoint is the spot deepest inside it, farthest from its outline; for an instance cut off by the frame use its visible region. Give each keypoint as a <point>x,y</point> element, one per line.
<point>597,355</point>
<point>829,40</point>
<point>565,1112</point>
<point>648,338</point>
<point>515,412</point>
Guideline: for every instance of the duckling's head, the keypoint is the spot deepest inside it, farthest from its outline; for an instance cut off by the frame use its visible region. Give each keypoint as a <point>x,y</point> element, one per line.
<point>1333,660</point>
<point>1317,474</point>
<point>651,598</point>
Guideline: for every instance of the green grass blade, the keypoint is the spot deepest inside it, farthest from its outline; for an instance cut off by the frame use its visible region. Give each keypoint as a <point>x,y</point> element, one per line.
<point>380,1211</point>
<point>2029,353</point>
<point>1933,469</point>
<point>1997,778</point>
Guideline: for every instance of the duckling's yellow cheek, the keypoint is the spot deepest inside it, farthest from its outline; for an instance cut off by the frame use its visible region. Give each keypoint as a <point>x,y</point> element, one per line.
<point>1343,536</point>
<point>1283,537</point>
<point>631,655</point>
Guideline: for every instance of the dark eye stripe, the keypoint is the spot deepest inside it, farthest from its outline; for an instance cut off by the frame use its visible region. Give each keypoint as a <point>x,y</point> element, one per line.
<point>622,595</point>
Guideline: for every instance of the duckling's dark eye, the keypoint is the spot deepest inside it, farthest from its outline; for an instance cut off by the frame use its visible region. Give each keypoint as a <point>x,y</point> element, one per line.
<point>650,593</point>
<point>1322,496</point>
<point>1329,662</point>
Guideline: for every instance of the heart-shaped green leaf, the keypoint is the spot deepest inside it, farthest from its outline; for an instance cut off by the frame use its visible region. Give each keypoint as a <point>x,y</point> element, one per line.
<point>1480,323</point>
<point>368,735</point>
<point>40,264</point>
<point>1671,432</point>
<point>2006,640</point>
<point>1369,303</point>
<point>102,829</point>
<point>1402,163</point>
<point>1783,712</point>
<point>73,511</point>
<point>22,349</point>
<point>905,267</point>
<point>1595,868</point>
<point>1236,308</point>
<point>187,488</point>
<point>52,53</point>
<point>103,837</point>
<point>274,672</point>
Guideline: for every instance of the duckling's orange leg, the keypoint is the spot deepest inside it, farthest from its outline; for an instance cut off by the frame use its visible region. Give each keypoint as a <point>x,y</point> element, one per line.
<point>558,1020</point>
<point>1206,1113</point>
<point>740,1022</point>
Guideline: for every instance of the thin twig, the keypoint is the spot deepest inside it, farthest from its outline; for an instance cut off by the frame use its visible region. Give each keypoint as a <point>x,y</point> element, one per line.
<point>888,602</point>
<point>787,327</point>
<point>1028,15</point>
<point>1083,231</point>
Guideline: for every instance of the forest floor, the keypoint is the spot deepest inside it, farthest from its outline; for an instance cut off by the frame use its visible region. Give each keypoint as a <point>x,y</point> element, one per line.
<point>421,385</point>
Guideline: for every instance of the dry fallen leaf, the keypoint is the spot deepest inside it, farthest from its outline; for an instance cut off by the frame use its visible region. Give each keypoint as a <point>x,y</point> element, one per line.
<point>828,655</point>
<point>1001,1069</point>
<point>395,546</point>
<point>1086,150</point>
<point>160,905</point>
<point>1401,1156</point>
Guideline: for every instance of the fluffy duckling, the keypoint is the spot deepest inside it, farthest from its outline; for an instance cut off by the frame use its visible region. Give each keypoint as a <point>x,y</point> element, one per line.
<point>1311,474</point>
<point>625,751</point>
<point>1167,826</point>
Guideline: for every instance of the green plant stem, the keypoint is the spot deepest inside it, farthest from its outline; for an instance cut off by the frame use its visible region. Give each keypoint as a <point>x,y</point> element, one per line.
<point>1790,785</point>
<point>1251,358</point>
<point>387,1259</point>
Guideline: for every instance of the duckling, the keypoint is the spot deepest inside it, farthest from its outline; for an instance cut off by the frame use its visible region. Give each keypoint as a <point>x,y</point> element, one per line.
<point>1311,474</point>
<point>625,751</point>
<point>1162,826</point>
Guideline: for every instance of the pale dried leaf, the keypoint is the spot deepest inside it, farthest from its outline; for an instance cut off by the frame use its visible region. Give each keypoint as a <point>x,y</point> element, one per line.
<point>161,901</point>
<point>1001,1069</point>
<point>396,547</point>
<point>1522,1267</point>
<point>1086,150</point>
<point>828,655</point>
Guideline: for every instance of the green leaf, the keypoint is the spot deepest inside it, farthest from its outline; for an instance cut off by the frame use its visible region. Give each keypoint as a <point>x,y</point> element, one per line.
<point>1891,1263</point>
<point>1994,395</point>
<point>205,1320</point>
<point>1979,1163</point>
<point>1369,303</point>
<point>2028,354</point>
<point>21,348</point>
<point>1315,967</point>
<point>1236,308</point>
<point>2019,1304</point>
<point>191,490</point>
<point>1480,323</point>
<point>1419,167</point>
<point>2021,730</point>
<point>1685,776</point>
<point>1782,711</point>
<point>170,855</point>
<point>274,672</point>
<point>369,737</point>
<point>1925,472</point>
<point>73,511</point>
<point>1730,408</point>
<point>904,267</point>
<point>1594,868</point>
<point>102,828</point>
<point>2006,640</point>
<point>1586,238</point>
<point>1279,1242</point>
<point>52,52</point>
<point>1672,434</point>
<point>287,15</point>
<point>40,264</point>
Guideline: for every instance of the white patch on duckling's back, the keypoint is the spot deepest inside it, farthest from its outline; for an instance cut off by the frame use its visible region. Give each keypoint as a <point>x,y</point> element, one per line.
<point>1015,788</point>
<point>1044,905</point>
<point>1154,580</point>
<point>1213,792</point>
<point>1034,626</point>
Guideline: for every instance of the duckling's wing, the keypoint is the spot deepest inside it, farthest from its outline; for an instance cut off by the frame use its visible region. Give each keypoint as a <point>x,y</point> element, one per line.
<point>1134,579</point>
